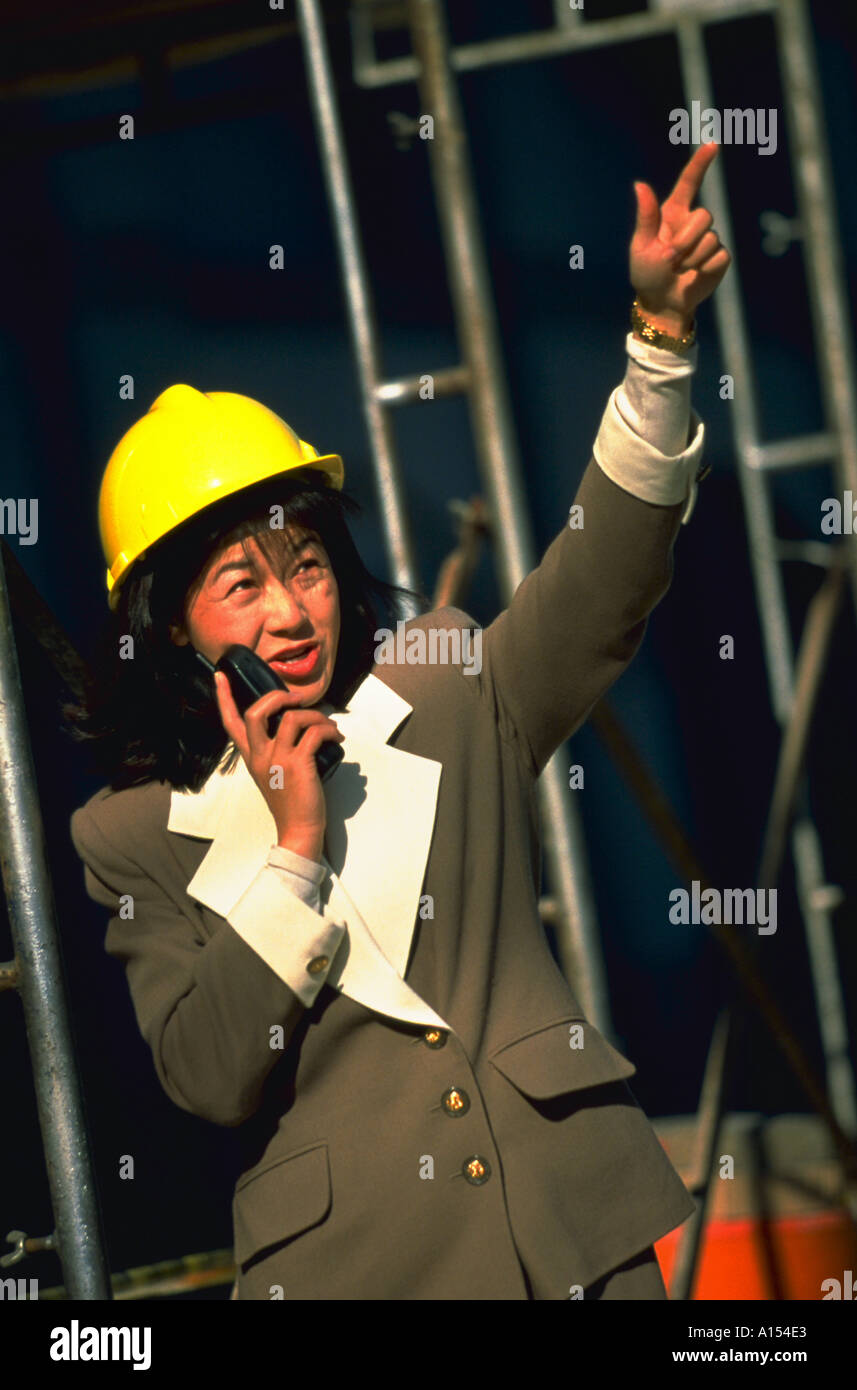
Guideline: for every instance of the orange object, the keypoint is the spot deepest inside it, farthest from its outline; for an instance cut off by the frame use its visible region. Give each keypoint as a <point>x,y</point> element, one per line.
<point>776,1228</point>
<point>786,1258</point>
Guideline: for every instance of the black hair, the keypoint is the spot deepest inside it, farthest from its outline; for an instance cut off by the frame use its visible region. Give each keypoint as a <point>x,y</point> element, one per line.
<point>155,717</point>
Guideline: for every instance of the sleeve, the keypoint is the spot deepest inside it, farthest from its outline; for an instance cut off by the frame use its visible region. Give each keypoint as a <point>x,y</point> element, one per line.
<point>577,620</point>
<point>206,1004</point>
<point>303,876</point>
<point>643,442</point>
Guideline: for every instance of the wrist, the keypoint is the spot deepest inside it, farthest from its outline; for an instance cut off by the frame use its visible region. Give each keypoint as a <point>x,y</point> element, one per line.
<point>308,846</point>
<point>671,321</point>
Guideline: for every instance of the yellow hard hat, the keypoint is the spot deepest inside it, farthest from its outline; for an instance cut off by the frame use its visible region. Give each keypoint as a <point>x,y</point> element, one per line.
<point>190,449</point>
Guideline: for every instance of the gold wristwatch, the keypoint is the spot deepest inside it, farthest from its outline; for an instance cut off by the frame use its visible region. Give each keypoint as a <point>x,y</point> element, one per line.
<point>657,337</point>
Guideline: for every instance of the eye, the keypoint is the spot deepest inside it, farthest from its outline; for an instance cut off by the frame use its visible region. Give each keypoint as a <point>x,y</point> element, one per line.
<point>237,586</point>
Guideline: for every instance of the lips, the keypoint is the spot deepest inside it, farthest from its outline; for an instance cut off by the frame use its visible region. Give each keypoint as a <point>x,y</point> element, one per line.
<point>300,662</point>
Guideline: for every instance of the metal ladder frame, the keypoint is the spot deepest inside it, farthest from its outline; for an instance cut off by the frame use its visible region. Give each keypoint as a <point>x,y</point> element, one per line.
<point>36,973</point>
<point>482,377</point>
<point>36,970</point>
<point>686,19</point>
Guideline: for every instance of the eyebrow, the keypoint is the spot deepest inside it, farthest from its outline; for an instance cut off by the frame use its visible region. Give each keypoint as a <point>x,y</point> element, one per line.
<point>230,565</point>
<point>245,564</point>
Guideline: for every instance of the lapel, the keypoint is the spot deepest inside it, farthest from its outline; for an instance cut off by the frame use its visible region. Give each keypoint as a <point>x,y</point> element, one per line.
<point>376,848</point>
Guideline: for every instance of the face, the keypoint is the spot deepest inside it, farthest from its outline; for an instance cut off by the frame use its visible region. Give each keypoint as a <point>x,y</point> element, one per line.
<point>289,619</point>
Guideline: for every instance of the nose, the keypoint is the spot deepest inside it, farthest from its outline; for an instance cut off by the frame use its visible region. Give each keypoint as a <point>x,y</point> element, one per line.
<point>284,610</point>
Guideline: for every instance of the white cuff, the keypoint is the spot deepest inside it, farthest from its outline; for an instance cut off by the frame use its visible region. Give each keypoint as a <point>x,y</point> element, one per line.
<point>298,943</point>
<point>649,411</point>
<point>654,398</point>
<point>303,876</point>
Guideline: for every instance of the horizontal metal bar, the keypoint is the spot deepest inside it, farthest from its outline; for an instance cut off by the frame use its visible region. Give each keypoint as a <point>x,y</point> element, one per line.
<point>447,381</point>
<point>186,1274</point>
<point>820,553</point>
<point>551,43</point>
<point>800,451</point>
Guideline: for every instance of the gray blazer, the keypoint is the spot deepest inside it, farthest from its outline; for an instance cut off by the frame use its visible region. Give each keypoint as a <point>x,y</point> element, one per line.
<point>430,1113</point>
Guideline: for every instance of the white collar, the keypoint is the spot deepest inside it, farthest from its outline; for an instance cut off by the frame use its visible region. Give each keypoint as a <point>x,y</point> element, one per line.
<point>378,846</point>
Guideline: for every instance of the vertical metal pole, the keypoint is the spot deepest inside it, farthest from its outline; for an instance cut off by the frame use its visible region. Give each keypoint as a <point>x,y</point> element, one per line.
<point>709,1120</point>
<point>828,295</point>
<point>32,916</point>
<point>816,903</point>
<point>361,316</point>
<point>814,897</point>
<point>834,342</point>
<point>743,411</point>
<point>500,468</point>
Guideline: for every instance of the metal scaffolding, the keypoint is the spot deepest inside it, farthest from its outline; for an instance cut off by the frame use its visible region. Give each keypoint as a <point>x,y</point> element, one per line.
<point>793,681</point>
<point>482,377</point>
<point>36,973</point>
<point>432,67</point>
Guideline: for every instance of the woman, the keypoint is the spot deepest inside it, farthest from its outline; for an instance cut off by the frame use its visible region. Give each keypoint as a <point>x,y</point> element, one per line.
<point>355,972</point>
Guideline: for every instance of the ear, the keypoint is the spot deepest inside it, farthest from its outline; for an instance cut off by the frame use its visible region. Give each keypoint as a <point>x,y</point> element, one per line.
<point>178,635</point>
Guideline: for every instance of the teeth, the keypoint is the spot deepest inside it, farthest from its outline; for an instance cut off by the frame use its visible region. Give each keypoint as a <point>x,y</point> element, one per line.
<point>295,656</point>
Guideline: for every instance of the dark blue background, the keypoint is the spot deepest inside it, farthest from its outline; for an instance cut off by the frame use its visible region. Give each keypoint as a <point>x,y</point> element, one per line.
<point>151,258</point>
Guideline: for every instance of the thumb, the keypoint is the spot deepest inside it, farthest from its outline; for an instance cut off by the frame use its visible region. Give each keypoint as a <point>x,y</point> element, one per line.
<point>648,212</point>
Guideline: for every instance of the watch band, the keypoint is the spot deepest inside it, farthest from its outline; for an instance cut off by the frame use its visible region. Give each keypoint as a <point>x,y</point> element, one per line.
<point>657,337</point>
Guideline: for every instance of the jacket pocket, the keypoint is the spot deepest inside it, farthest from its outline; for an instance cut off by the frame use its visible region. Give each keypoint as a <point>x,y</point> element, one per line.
<point>275,1202</point>
<point>569,1055</point>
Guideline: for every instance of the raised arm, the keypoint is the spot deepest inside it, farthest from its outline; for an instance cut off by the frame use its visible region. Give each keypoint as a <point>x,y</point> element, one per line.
<point>576,621</point>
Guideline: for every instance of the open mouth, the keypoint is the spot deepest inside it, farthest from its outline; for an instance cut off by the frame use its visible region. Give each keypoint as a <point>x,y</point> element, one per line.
<point>301,663</point>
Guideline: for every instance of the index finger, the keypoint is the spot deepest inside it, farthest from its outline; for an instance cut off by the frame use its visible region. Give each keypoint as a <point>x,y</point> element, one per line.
<point>689,181</point>
<point>265,705</point>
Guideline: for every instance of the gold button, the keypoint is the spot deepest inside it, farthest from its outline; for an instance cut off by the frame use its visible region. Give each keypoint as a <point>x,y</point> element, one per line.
<point>433,1037</point>
<point>455,1101</point>
<point>317,964</point>
<point>477,1170</point>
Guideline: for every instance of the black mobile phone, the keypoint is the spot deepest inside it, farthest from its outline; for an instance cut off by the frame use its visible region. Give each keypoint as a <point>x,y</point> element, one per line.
<point>249,679</point>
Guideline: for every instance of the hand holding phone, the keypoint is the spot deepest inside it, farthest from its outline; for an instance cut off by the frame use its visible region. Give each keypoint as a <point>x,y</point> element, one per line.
<point>249,679</point>
<point>297,805</point>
